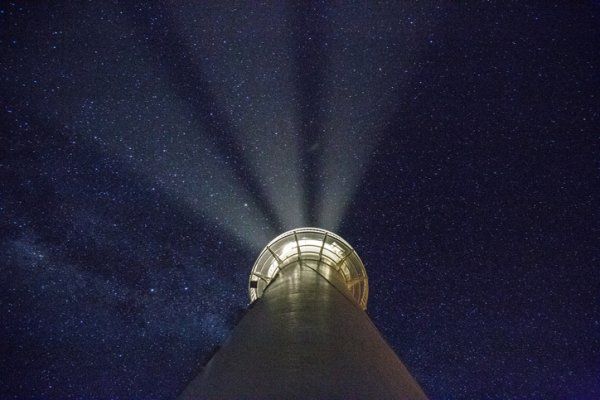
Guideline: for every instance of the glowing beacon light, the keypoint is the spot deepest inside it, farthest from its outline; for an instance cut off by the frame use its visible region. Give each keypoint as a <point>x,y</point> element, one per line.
<point>324,252</point>
<point>306,334</point>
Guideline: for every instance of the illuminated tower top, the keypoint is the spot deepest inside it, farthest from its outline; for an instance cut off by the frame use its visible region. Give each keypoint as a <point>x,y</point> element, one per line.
<point>325,252</point>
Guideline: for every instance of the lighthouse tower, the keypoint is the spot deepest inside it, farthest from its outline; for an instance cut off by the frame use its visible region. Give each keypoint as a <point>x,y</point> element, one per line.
<point>306,334</point>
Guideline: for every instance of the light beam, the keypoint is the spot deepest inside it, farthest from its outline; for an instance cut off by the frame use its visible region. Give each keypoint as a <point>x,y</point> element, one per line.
<point>258,96</point>
<point>360,97</point>
<point>136,116</point>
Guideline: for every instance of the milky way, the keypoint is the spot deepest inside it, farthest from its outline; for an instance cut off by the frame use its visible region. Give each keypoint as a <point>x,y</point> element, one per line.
<point>150,150</point>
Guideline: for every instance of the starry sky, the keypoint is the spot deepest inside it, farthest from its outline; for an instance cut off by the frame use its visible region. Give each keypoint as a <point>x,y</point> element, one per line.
<point>149,150</point>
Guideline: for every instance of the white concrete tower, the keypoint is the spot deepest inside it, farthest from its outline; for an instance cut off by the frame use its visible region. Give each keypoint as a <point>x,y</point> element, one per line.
<point>306,334</point>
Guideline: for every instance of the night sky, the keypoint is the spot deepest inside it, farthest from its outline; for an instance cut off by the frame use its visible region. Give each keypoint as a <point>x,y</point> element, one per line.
<point>149,151</point>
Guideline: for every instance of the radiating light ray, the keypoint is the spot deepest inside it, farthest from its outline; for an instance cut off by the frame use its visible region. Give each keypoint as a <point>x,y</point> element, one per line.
<point>137,117</point>
<point>361,96</point>
<point>307,25</point>
<point>187,166</point>
<point>258,99</point>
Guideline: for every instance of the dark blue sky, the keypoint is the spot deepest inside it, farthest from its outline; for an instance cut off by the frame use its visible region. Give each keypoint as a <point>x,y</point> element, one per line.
<point>149,150</point>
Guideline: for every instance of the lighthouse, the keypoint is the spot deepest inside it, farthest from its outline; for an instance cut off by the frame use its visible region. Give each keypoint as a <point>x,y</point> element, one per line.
<point>306,334</point>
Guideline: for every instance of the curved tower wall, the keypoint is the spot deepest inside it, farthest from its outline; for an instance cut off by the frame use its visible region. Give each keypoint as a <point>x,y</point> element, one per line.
<point>306,337</point>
